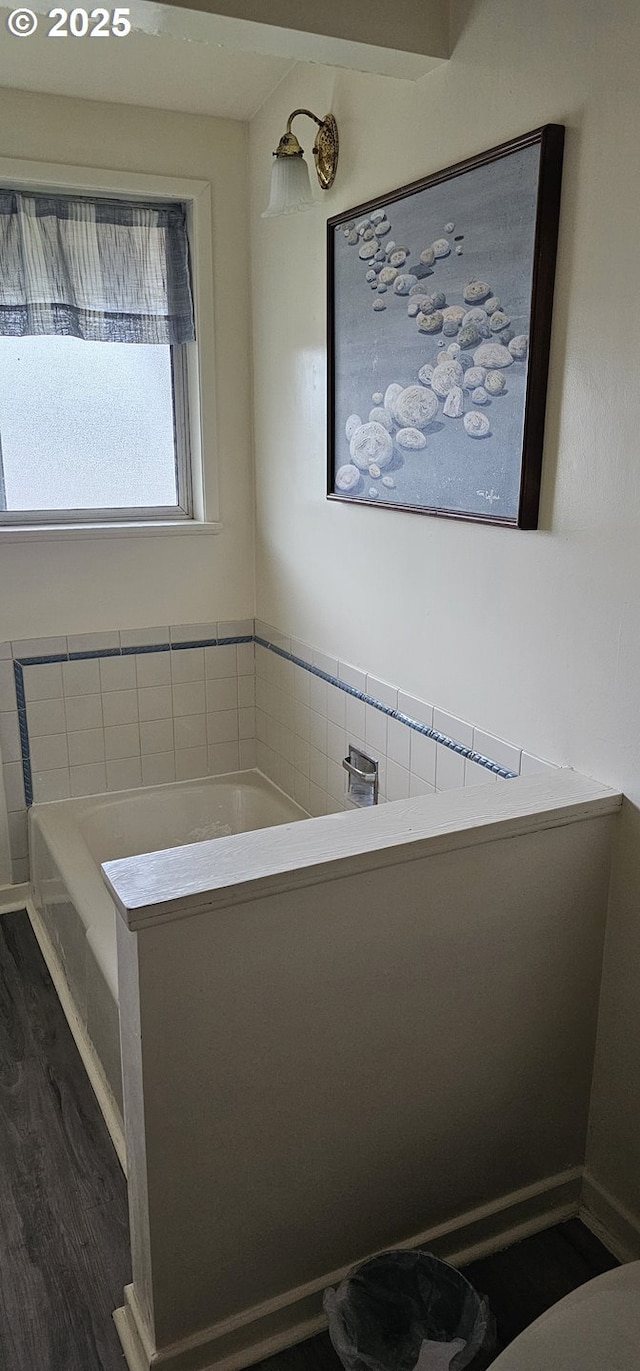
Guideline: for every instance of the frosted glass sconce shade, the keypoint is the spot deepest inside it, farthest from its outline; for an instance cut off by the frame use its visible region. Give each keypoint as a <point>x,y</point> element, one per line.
<point>290,187</point>
<point>290,182</point>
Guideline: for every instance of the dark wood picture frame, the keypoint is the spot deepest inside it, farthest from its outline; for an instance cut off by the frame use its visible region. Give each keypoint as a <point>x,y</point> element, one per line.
<point>519,199</point>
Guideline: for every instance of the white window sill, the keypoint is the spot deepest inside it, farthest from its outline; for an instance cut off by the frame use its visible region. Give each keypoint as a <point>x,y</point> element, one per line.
<point>27,533</point>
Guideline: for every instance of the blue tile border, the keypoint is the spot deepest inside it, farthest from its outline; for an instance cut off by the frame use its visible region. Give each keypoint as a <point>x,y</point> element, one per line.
<point>20,662</point>
<point>392,713</point>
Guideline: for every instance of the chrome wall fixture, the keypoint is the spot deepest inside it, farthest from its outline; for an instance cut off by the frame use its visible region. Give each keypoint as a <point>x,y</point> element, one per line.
<point>290,183</point>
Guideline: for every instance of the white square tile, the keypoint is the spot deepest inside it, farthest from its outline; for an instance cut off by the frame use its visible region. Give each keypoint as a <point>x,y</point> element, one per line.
<point>10,749</point>
<point>93,642</point>
<point>301,755</point>
<point>188,698</point>
<point>222,727</point>
<point>533,766</point>
<point>154,702</point>
<point>318,731</point>
<point>223,757</point>
<point>415,708</point>
<point>190,730</point>
<point>156,735</point>
<point>245,659</point>
<point>83,711</point>
<point>398,743</point>
<point>120,707</point>
<point>121,740</point>
<point>39,647</point>
<point>336,744</point>
<point>261,726</point>
<point>423,757</point>
<point>325,663</point>
<point>40,682</point>
<point>375,728</point>
<point>49,753</point>
<point>398,781</point>
<point>119,673</point>
<point>382,691</point>
<point>221,661</point>
<point>247,758</point>
<point>5,652</point>
<point>453,728</point>
<point>159,768</point>
<point>246,692</point>
<point>89,780</point>
<point>352,676</point>
<point>505,754</point>
<point>318,695</point>
<point>336,706</point>
<point>8,685</point>
<point>45,716</point>
<point>317,801</point>
<point>13,785</point>
<point>187,664</point>
<point>449,769</point>
<point>222,693</point>
<point>235,628</point>
<point>287,744</point>
<point>152,668</point>
<point>191,762</point>
<point>51,785</point>
<point>354,718</point>
<point>192,633</point>
<point>86,746</point>
<point>81,678</point>
<point>247,723</point>
<point>318,768</point>
<point>261,659</point>
<point>18,834</point>
<point>336,780</point>
<point>20,870</point>
<point>419,787</point>
<point>477,775</point>
<point>301,790</point>
<point>143,637</point>
<point>125,774</point>
<point>301,679</point>
<point>301,716</point>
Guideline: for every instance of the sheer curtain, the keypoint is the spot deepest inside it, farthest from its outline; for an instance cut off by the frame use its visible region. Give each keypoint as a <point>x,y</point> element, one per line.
<point>103,270</point>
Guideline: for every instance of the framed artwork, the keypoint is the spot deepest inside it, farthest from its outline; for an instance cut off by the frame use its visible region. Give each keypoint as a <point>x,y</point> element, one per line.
<point>439,318</point>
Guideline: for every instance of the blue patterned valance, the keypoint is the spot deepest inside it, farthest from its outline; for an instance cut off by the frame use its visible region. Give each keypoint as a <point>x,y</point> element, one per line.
<point>102,270</point>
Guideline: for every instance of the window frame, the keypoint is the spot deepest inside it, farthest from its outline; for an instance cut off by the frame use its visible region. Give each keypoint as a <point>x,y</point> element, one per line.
<point>193,407</point>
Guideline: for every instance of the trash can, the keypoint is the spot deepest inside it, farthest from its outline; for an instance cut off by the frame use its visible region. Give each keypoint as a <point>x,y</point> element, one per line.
<point>406,1309</point>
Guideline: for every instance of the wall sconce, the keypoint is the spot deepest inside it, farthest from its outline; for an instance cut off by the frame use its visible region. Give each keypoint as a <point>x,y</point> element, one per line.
<point>290,184</point>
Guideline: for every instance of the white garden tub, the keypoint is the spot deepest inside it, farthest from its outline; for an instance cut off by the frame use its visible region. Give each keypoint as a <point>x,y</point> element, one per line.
<point>74,914</point>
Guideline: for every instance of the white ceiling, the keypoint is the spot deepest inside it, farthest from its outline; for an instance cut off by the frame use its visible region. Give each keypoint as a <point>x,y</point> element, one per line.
<point>172,59</point>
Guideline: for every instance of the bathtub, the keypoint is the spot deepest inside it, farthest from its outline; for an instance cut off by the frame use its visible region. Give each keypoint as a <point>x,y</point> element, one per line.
<point>73,914</point>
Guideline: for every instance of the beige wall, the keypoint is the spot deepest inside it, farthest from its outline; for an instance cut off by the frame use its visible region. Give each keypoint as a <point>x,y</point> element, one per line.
<point>531,636</point>
<point>74,587</point>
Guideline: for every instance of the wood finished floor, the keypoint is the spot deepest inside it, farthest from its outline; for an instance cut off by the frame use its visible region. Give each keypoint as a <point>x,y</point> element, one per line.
<point>64,1253</point>
<point>64,1238</point>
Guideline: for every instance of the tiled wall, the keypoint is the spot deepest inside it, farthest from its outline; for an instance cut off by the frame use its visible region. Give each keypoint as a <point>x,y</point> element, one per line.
<point>305,721</point>
<point>102,712</point>
<point>109,711</point>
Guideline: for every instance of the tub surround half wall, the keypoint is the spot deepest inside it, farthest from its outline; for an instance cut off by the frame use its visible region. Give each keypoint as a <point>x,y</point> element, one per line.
<point>92,713</point>
<point>471,927</point>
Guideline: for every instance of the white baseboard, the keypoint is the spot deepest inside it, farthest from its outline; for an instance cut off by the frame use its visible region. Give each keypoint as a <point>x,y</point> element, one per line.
<point>13,897</point>
<point>101,1089</point>
<point>257,1333</point>
<point>616,1226</point>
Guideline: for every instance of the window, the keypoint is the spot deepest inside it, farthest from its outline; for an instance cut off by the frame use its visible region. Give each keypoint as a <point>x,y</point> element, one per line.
<point>95,324</point>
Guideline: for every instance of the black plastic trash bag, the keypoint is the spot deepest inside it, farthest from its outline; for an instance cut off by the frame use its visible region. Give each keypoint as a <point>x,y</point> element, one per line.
<point>406,1308</point>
